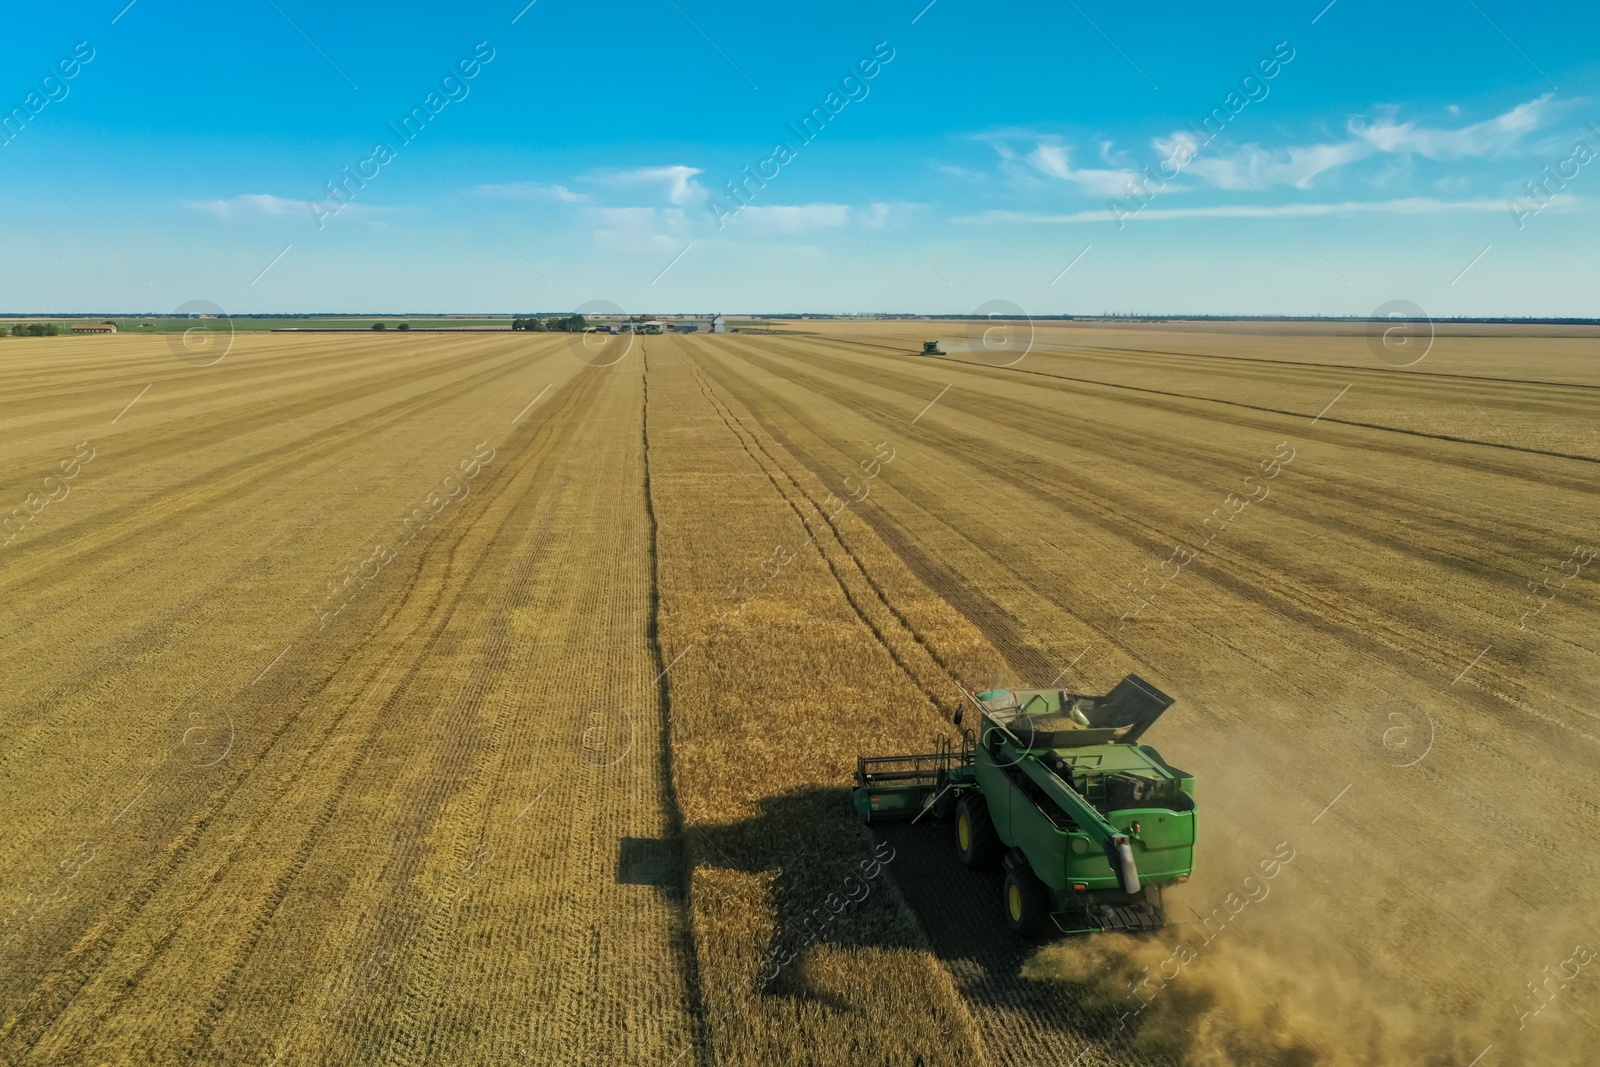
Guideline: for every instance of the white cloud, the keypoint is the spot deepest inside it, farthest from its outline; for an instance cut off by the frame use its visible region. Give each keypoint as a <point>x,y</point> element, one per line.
<point>1050,157</point>
<point>1492,137</point>
<point>1294,166</point>
<point>1299,166</point>
<point>532,191</point>
<point>1405,206</point>
<point>250,204</point>
<point>677,182</point>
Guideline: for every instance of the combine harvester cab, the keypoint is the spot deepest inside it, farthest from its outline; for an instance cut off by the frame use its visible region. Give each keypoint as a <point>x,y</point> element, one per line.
<point>1089,824</point>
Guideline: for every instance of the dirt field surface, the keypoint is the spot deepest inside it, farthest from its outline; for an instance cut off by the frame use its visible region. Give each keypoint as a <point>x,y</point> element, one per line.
<point>466,700</point>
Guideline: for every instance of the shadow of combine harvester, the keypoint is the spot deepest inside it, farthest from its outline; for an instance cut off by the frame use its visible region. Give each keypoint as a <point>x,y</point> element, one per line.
<point>827,885</point>
<point>897,887</point>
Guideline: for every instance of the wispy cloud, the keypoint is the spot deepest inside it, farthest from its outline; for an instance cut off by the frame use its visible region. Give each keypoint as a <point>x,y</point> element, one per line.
<point>1297,166</point>
<point>1498,136</point>
<point>1052,158</point>
<point>1253,166</point>
<point>676,182</point>
<point>1404,206</point>
<point>532,191</point>
<point>964,173</point>
<point>250,204</point>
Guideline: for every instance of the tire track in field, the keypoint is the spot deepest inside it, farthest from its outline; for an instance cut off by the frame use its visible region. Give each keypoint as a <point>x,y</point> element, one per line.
<point>1002,629</point>
<point>996,624</point>
<point>1463,460</point>
<point>702,1045</point>
<point>1293,414</point>
<point>1365,628</point>
<point>738,428</point>
<point>941,702</point>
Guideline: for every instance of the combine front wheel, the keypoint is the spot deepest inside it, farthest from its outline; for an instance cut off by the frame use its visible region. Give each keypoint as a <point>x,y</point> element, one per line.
<point>976,842</point>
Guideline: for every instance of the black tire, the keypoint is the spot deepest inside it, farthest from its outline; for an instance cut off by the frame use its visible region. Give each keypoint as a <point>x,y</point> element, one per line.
<point>977,845</point>
<point>1027,903</point>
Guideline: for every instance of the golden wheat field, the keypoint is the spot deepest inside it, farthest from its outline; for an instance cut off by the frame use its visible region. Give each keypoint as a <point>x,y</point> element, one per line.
<point>490,699</point>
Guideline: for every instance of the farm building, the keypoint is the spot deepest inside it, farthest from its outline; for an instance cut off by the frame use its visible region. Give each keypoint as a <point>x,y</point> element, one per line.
<point>94,327</point>
<point>686,327</point>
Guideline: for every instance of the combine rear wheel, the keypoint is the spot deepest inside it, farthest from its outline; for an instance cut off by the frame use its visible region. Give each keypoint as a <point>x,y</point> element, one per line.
<point>977,845</point>
<point>1027,902</point>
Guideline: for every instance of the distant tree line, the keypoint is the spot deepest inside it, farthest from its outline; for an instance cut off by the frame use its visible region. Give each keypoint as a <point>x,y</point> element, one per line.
<point>35,329</point>
<point>554,324</point>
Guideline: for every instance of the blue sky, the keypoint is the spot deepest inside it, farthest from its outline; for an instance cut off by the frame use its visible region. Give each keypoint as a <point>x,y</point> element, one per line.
<point>1367,152</point>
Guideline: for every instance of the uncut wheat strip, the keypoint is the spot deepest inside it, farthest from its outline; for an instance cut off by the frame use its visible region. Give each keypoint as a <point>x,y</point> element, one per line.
<point>674,445</point>
<point>911,654</point>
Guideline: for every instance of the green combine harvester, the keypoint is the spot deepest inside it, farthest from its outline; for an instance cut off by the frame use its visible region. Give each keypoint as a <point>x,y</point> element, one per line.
<point>1089,824</point>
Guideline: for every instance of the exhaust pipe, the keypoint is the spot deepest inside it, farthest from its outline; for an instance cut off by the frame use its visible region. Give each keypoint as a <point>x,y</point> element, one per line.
<point>1120,854</point>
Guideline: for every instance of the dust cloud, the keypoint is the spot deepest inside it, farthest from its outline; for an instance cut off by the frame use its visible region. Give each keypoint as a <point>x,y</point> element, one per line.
<point>1228,1003</point>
